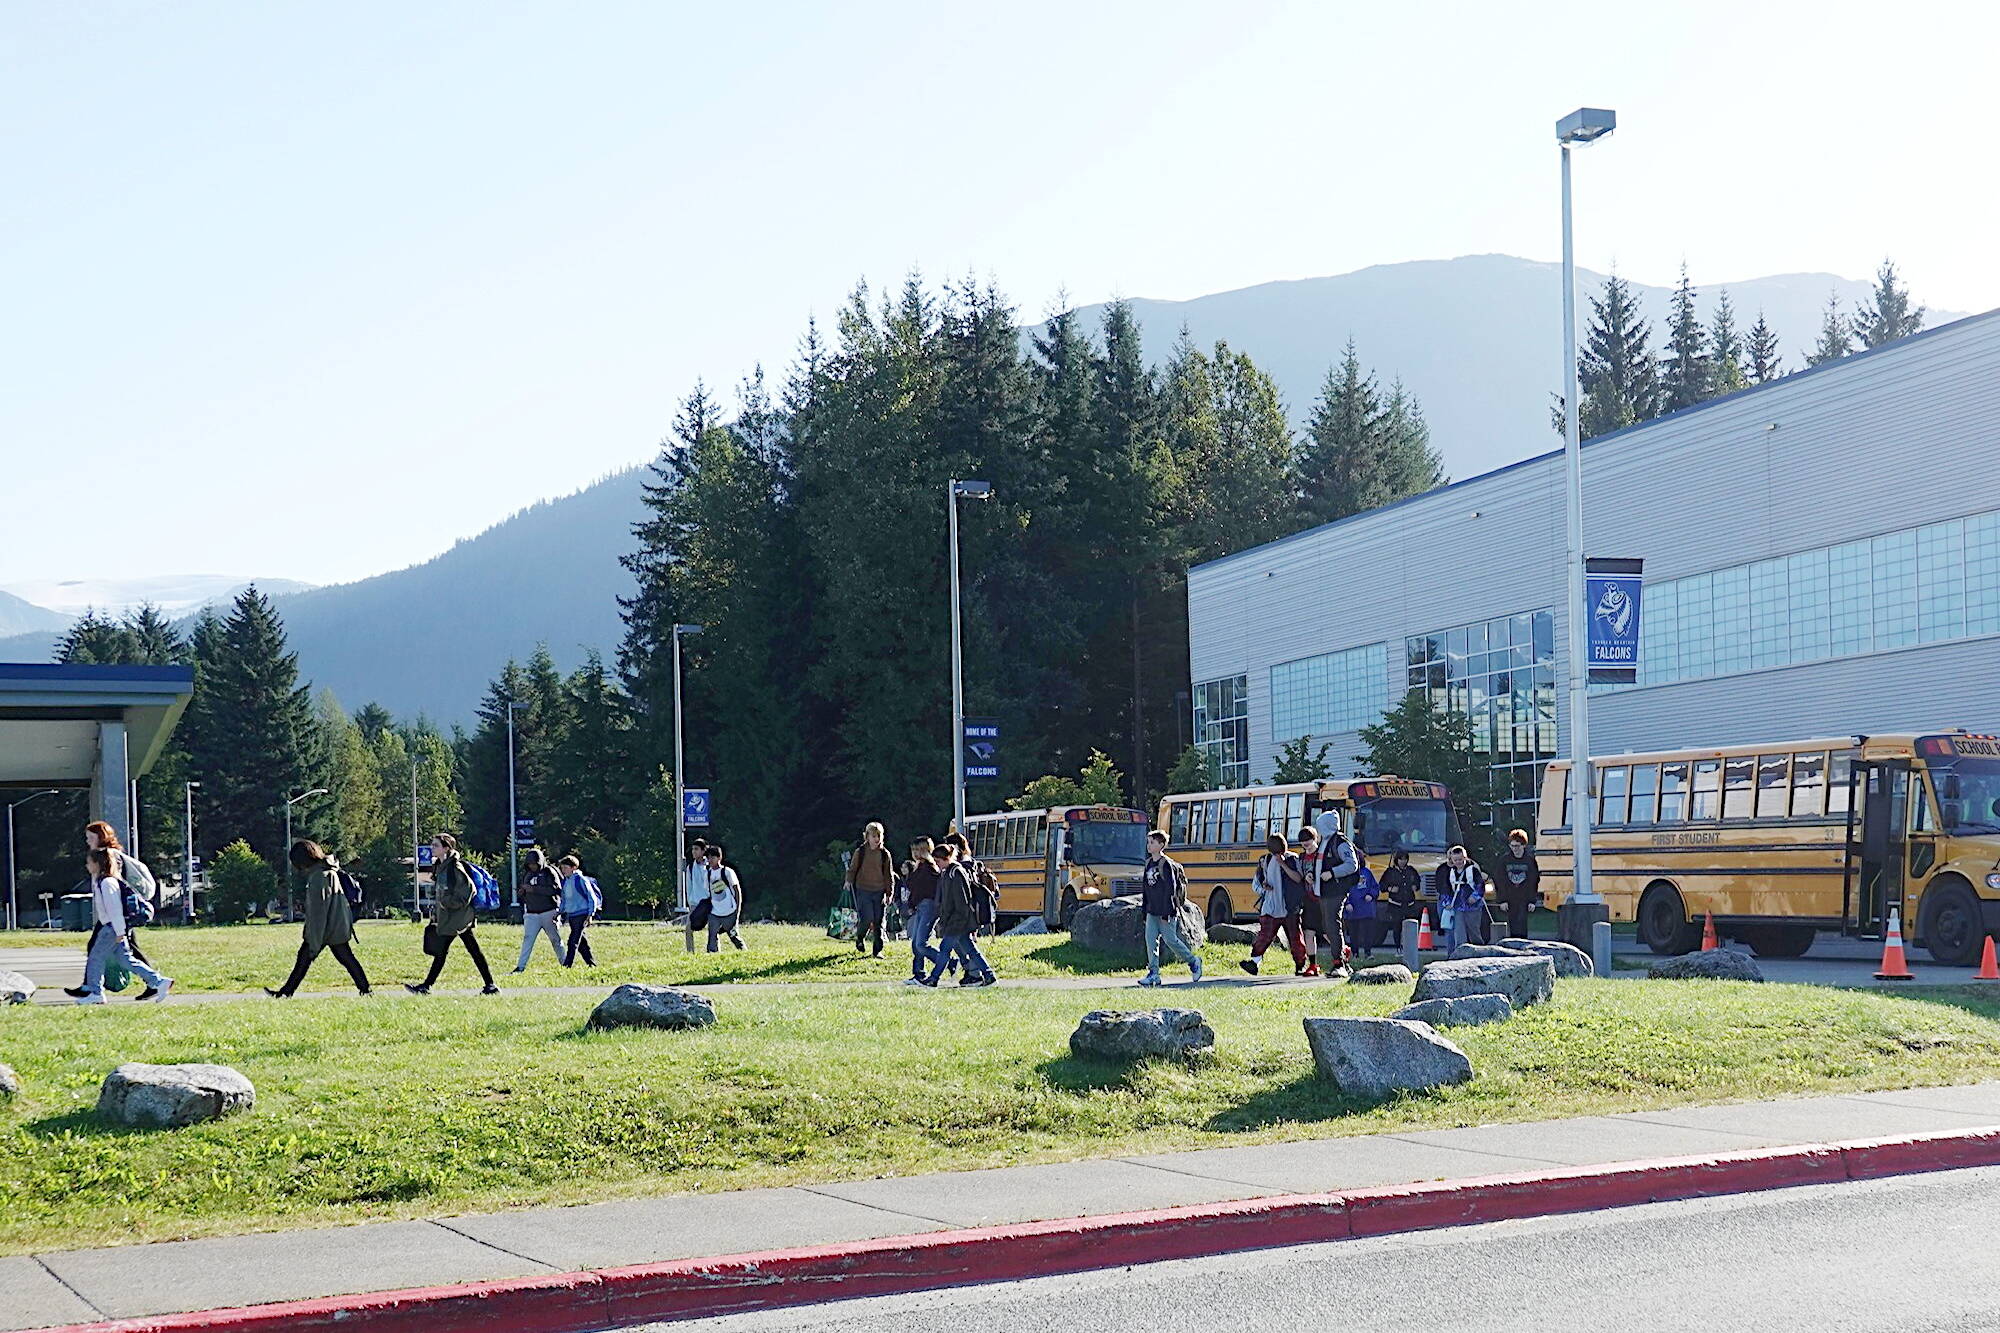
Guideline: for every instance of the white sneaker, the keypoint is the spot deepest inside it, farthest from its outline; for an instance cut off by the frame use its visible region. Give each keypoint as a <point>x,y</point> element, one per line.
<point>1197,972</point>
<point>90,999</point>
<point>166,988</point>
<point>1149,980</point>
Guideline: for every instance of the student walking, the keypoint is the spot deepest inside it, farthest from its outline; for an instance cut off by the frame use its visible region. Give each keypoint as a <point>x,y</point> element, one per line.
<point>725,900</point>
<point>871,878</point>
<point>1398,903</point>
<point>130,871</point>
<point>1311,913</point>
<point>1339,870</point>
<point>1281,891</point>
<point>920,880</point>
<point>1520,882</point>
<point>329,919</point>
<point>541,904</point>
<point>452,916</point>
<point>957,920</point>
<point>108,941</point>
<point>1360,911</point>
<point>1461,885</point>
<point>581,901</point>
<point>1163,893</point>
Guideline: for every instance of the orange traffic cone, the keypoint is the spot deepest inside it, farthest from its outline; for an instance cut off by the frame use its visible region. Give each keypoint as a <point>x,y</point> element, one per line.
<point>1424,939</point>
<point>1708,940</point>
<point>1894,967</point>
<point>1987,971</point>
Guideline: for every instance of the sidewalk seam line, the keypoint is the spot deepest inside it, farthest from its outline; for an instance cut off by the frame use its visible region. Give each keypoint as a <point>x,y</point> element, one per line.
<point>1195,1175</point>
<point>442,1225</point>
<point>1475,1152</point>
<point>881,1208</point>
<point>93,1305</point>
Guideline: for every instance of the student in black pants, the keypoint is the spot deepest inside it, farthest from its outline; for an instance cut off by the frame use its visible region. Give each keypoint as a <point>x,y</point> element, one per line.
<point>329,924</point>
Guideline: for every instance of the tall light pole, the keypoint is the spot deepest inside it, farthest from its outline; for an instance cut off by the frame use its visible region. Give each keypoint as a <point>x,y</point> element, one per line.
<point>1578,127</point>
<point>513,849</point>
<point>954,491</point>
<point>680,786</point>
<point>289,803</point>
<point>13,907</point>
<point>416,847</point>
<point>187,851</point>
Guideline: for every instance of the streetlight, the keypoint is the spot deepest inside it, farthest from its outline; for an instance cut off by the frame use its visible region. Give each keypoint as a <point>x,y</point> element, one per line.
<point>680,786</point>
<point>513,850</point>
<point>187,852</point>
<point>954,491</point>
<point>1579,127</point>
<point>291,801</point>
<point>13,908</point>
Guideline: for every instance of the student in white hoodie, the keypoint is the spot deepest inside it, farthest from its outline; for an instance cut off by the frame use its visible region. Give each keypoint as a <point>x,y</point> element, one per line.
<point>107,905</point>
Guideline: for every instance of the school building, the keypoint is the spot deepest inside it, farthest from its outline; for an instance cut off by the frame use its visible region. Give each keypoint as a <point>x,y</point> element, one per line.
<point>1822,557</point>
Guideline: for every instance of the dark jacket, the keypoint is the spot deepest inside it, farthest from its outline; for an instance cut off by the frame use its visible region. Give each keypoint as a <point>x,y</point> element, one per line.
<point>452,913</point>
<point>957,913</point>
<point>1400,885</point>
<point>541,891</point>
<point>1441,884</point>
<point>1163,887</point>
<point>1520,879</point>
<point>327,918</point>
<point>921,882</point>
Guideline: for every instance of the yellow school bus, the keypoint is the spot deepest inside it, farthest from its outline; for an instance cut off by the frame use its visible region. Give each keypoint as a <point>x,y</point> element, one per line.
<point>1051,862</point>
<point>1217,836</point>
<point>1782,840</point>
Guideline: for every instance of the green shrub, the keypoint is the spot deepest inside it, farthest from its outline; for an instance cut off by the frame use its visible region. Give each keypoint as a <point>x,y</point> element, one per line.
<point>238,882</point>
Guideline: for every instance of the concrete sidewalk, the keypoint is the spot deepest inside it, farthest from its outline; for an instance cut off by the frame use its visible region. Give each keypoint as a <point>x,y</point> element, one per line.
<point>85,1285</point>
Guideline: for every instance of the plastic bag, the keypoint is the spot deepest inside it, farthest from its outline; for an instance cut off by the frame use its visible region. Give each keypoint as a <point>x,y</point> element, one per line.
<point>842,921</point>
<point>117,976</point>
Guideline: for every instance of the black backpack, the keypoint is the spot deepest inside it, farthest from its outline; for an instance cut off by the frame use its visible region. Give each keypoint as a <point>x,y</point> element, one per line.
<point>350,887</point>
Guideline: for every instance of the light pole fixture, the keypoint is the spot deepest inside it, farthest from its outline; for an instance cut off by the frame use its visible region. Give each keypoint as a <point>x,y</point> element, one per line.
<point>291,801</point>
<point>956,490</point>
<point>1582,126</point>
<point>680,787</point>
<point>187,851</point>
<point>13,887</point>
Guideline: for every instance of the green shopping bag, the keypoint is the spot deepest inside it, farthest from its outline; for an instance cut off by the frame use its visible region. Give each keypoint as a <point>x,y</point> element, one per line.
<point>117,976</point>
<point>841,921</point>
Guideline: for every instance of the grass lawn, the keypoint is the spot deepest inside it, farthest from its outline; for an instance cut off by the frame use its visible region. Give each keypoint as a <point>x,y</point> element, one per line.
<point>403,1108</point>
<point>243,958</point>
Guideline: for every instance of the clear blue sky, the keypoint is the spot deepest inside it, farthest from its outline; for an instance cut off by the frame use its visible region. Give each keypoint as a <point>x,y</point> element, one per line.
<point>402,268</point>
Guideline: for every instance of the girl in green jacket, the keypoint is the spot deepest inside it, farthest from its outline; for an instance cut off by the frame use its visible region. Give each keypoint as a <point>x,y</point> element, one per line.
<point>329,923</point>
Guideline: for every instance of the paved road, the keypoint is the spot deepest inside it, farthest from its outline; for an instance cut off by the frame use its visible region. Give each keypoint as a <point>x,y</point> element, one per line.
<point>1902,1254</point>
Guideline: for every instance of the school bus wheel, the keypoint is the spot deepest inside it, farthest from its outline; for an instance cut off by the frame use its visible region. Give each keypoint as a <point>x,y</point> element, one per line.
<point>1220,910</point>
<point>1781,941</point>
<point>1067,912</point>
<point>1663,922</point>
<point>1953,930</point>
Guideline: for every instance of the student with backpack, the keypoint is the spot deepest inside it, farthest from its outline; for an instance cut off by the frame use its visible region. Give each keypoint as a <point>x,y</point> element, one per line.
<point>581,901</point>
<point>1163,893</point>
<point>1359,914</point>
<point>920,878</point>
<point>1338,871</point>
<point>1281,890</point>
<point>871,878</point>
<point>110,899</point>
<point>329,922</point>
<point>131,871</point>
<point>541,904</point>
<point>725,899</point>
<point>957,920</point>
<point>455,893</point>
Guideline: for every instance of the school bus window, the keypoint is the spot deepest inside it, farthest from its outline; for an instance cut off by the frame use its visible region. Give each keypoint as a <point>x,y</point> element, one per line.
<point>1774,776</point>
<point>1920,805</point>
<point>1041,838</point>
<point>1739,787</point>
<point>1017,838</point>
<point>1837,793</point>
<point>1260,817</point>
<point>1295,810</point>
<point>1243,819</point>
<point>1177,825</point>
<point>1611,805</point>
<point>1645,791</point>
<point>1707,803</point>
<point>1673,793</point>
<point>1809,784</point>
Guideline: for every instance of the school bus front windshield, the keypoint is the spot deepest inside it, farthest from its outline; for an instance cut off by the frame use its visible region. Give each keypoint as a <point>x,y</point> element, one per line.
<point>1107,844</point>
<point>1968,793</point>
<point>1387,824</point>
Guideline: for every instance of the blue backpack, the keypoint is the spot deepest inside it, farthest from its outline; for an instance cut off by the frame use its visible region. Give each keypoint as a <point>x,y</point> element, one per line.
<point>485,889</point>
<point>138,908</point>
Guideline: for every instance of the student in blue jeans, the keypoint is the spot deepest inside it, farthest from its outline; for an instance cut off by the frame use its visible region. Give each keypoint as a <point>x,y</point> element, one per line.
<point>957,920</point>
<point>920,878</point>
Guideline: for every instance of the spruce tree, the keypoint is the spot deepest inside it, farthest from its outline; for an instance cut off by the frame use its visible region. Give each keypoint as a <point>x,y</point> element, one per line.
<point>1616,371</point>
<point>1766,362</point>
<point>591,768</point>
<point>1887,313</point>
<point>357,816</point>
<point>1338,461</point>
<point>1725,349</point>
<point>258,730</point>
<point>482,762</point>
<point>1836,335</point>
<point>1685,369</point>
<point>96,639</point>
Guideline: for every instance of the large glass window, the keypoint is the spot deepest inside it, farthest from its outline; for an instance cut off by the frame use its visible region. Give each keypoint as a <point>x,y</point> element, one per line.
<point>1331,693</point>
<point>1501,674</point>
<point>1222,726</point>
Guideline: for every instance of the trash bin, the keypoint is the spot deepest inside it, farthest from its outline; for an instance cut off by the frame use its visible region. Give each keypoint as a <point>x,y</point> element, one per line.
<point>76,911</point>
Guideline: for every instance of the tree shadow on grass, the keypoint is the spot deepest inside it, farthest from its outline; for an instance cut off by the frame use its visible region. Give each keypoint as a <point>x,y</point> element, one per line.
<point>83,1122</point>
<point>1306,1100</point>
<point>1066,955</point>
<point>1073,1073</point>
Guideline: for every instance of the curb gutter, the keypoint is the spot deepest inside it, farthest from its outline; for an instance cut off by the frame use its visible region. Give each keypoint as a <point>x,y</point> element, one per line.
<point>731,1284</point>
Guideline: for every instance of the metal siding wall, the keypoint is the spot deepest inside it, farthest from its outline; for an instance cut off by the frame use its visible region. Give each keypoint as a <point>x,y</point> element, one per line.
<point>1902,437</point>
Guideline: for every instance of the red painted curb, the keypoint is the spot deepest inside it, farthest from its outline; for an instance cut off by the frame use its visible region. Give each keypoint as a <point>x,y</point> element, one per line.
<point>730,1284</point>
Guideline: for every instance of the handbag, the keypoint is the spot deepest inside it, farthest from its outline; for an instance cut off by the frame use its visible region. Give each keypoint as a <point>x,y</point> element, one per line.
<point>843,921</point>
<point>434,943</point>
<point>117,976</point>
